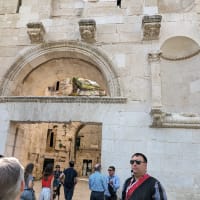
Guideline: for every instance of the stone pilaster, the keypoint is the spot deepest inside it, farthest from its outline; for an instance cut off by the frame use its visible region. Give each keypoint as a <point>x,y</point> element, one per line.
<point>154,60</point>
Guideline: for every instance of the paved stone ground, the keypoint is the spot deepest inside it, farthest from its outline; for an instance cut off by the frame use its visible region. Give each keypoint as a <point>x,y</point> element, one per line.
<point>81,191</point>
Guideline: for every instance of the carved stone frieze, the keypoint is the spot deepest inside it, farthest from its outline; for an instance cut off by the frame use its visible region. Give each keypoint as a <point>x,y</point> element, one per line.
<point>36,32</point>
<point>162,119</point>
<point>87,28</point>
<point>151,27</point>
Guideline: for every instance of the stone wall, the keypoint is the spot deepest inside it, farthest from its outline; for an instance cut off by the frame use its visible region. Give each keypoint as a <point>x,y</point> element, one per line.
<point>34,143</point>
<point>131,67</point>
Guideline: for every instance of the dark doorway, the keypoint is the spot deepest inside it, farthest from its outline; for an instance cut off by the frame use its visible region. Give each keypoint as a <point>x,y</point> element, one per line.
<point>47,161</point>
<point>87,167</point>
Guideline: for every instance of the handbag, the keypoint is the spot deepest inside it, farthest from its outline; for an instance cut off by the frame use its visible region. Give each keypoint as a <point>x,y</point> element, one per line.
<point>28,194</point>
<point>111,190</point>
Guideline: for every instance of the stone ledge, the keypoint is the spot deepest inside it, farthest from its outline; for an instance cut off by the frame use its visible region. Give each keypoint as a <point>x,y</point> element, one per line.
<point>162,119</point>
<point>71,99</point>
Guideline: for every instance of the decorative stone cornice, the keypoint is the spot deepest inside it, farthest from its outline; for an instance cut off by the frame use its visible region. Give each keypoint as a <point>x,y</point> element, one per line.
<point>87,28</point>
<point>181,58</point>
<point>162,119</point>
<point>69,99</point>
<point>151,27</point>
<point>36,32</point>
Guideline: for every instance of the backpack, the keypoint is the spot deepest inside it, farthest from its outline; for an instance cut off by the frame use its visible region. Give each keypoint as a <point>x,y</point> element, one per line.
<point>111,190</point>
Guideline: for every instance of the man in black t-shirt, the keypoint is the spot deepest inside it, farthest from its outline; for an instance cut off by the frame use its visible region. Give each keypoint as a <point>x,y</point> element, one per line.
<point>70,180</point>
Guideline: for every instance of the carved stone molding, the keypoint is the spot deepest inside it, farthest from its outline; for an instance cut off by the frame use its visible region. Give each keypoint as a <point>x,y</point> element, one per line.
<point>36,32</point>
<point>162,119</point>
<point>151,27</point>
<point>71,99</point>
<point>87,28</point>
<point>156,94</point>
<point>181,58</point>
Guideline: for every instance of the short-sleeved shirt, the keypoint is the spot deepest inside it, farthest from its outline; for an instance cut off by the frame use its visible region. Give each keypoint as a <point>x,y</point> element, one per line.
<point>70,174</point>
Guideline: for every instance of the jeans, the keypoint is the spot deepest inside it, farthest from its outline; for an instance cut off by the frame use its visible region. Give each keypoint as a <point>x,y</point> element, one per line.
<point>27,195</point>
<point>45,194</point>
<point>68,193</point>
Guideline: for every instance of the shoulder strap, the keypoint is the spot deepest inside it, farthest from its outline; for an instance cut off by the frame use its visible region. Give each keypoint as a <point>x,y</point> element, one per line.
<point>136,185</point>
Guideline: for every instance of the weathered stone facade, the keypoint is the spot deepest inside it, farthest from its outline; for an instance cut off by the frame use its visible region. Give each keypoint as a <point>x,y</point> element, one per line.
<point>55,143</point>
<point>144,55</point>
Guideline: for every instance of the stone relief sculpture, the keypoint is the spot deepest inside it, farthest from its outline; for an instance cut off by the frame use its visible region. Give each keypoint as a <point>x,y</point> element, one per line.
<point>151,27</point>
<point>36,32</point>
<point>75,86</point>
<point>86,87</point>
<point>87,28</point>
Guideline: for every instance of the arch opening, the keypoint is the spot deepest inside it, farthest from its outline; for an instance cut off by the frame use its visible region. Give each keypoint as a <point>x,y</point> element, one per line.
<point>76,53</point>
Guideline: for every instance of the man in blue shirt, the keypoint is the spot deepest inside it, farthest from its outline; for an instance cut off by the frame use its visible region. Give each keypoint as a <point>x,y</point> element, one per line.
<point>97,184</point>
<point>113,184</point>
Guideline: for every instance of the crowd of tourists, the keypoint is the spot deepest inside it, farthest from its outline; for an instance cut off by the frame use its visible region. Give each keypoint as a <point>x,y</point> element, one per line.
<point>17,183</point>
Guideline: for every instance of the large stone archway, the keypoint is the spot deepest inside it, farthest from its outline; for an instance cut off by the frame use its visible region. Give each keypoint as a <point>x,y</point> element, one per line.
<point>36,56</point>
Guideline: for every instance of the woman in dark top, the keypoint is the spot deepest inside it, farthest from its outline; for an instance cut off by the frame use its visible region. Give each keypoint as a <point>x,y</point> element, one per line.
<point>57,182</point>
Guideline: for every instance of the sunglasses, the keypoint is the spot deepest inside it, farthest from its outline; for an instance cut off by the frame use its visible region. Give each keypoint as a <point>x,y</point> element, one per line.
<point>138,162</point>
